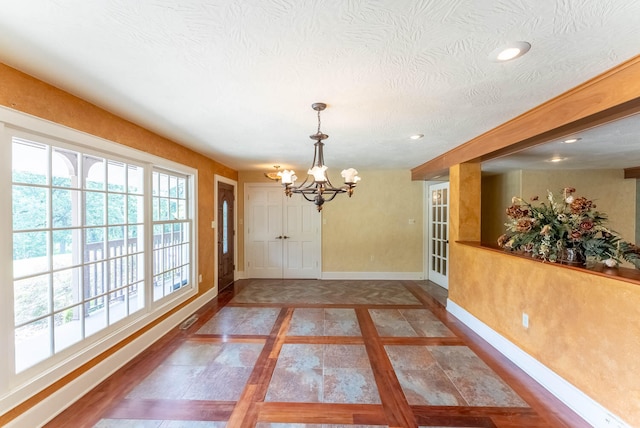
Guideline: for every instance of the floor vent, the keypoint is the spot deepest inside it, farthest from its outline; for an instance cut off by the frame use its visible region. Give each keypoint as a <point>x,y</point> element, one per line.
<point>188,322</point>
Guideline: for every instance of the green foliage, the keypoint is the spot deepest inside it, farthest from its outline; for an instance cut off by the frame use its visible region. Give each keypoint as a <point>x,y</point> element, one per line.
<point>31,208</point>
<point>548,228</point>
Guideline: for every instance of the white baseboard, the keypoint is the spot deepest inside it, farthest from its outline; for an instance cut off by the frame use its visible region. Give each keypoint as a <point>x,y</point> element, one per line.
<point>54,404</point>
<point>587,408</point>
<point>373,275</point>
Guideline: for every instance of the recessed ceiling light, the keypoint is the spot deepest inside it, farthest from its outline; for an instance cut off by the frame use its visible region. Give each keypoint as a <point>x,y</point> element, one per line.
<point>416,136</point>
<point>556,159</point>
<point>572,140</point>
<point>511,51</point>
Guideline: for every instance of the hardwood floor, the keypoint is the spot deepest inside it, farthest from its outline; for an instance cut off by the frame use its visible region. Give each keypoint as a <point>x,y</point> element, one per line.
<point>272,353</point>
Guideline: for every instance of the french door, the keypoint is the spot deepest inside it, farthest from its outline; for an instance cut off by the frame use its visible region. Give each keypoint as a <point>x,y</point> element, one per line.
<point>438,233</point>
<point>282,234</point>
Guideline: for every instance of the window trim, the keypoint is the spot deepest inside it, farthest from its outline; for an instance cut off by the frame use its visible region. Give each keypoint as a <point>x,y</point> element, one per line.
<point>16,388</point>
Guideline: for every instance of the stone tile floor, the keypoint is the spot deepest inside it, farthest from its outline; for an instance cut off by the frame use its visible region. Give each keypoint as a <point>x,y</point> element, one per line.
<point>322,357</point>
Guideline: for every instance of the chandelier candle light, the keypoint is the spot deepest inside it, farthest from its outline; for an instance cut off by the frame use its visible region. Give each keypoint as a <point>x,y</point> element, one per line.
<point>320,190</point>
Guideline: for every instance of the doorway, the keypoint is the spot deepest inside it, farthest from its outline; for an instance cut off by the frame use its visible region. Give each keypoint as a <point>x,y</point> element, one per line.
<point>438,233</point>
<point>225,232</point>
<point>282,234</point>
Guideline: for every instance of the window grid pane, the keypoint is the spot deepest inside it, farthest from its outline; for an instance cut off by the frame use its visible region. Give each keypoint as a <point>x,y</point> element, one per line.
<point>73,275</point>
<point>171,234</point>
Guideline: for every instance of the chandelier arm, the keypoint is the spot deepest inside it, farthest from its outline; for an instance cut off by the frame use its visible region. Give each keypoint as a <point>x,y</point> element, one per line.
<point>332,196</point>
<point>307,198</point>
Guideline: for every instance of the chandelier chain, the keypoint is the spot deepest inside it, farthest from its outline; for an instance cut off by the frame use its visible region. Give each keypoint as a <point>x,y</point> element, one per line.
<point>318,122</point>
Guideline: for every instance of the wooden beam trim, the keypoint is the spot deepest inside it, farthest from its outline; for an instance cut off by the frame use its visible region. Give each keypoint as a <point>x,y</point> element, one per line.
<point>607,92</point>
<point>632,172</point>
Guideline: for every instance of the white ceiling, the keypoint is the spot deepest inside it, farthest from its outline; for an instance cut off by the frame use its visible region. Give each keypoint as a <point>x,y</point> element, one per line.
<point>615,145</point>
<point>235,79</point>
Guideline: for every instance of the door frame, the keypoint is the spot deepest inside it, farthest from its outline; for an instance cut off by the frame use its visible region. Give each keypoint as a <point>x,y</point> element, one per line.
<point>214,225</point>
<point>426,241</point>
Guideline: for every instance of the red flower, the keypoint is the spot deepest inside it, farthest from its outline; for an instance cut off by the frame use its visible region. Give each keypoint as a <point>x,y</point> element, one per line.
<point>586,225</point>
<point>516,212</point>
<point>580,205</point>
<point>524,225</point>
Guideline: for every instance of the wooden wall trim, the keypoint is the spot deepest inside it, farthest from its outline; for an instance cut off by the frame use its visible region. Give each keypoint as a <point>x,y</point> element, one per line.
<point>632,172</point>
<point>611,95</point>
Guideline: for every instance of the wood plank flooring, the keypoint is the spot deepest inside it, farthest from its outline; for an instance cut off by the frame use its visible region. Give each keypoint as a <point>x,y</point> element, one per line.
<point>273,353</point>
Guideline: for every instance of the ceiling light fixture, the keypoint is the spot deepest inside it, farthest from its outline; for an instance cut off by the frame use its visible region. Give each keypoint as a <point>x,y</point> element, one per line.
<point>556,159</point>
<point>572,140</point>
<point>315,191</point>
<point>511,51</point>
<point>273,175</point>
<point>416,136</point>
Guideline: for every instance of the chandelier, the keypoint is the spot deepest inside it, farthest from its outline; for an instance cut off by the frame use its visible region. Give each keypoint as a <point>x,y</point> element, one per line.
<point>320,190</point>
<point>273,175</point>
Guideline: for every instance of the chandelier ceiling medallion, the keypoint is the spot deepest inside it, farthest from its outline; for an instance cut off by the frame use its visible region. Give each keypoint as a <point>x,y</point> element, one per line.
<point>320,190</point>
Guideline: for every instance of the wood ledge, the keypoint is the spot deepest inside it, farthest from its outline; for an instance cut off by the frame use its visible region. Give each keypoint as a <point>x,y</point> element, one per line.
<point>622,273</point>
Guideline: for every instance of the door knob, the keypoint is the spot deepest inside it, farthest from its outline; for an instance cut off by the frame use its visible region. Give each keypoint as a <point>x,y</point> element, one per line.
<point>286,237</point>
<point>279,237</point>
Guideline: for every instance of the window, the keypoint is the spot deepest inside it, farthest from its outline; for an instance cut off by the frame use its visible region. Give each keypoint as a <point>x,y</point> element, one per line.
<point>78,247</point>
<point>171,237</point>
<point>102,241</point>
<point>225,227</point>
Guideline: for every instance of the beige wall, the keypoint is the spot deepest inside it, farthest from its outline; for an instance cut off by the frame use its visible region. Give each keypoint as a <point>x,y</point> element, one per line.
<point>611,192</point>
<point>369,232</point>
<point>497,191</point>
<point>582,325</point>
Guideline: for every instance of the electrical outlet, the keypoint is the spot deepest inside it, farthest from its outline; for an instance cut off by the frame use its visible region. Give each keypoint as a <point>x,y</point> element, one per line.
<point>525,320</point>
<point>200,278</point>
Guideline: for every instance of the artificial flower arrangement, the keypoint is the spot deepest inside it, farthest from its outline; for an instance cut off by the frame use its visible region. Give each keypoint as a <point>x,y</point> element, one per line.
<point>549,229</point>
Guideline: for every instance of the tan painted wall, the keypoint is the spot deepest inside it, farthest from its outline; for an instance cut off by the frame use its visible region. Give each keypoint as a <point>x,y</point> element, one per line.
<point>374,222</point>
<point>582,325</point>
<point>497,191</point>
<point>610,191</point>
<point>370,232</point>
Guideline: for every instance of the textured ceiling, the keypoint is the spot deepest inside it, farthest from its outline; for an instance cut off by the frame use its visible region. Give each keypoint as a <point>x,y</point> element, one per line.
<point>236,79</point>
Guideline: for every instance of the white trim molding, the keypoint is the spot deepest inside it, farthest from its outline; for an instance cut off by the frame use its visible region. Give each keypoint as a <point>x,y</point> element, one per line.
<point>373,275</point>
<point>54,404</point>
<point>586,407</point>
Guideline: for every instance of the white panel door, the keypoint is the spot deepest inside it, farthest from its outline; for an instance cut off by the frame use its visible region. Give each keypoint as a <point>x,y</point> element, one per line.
<point>263,233</point>
<point>301,229</point>
<point>438,234</point>
<point>282,236</point>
